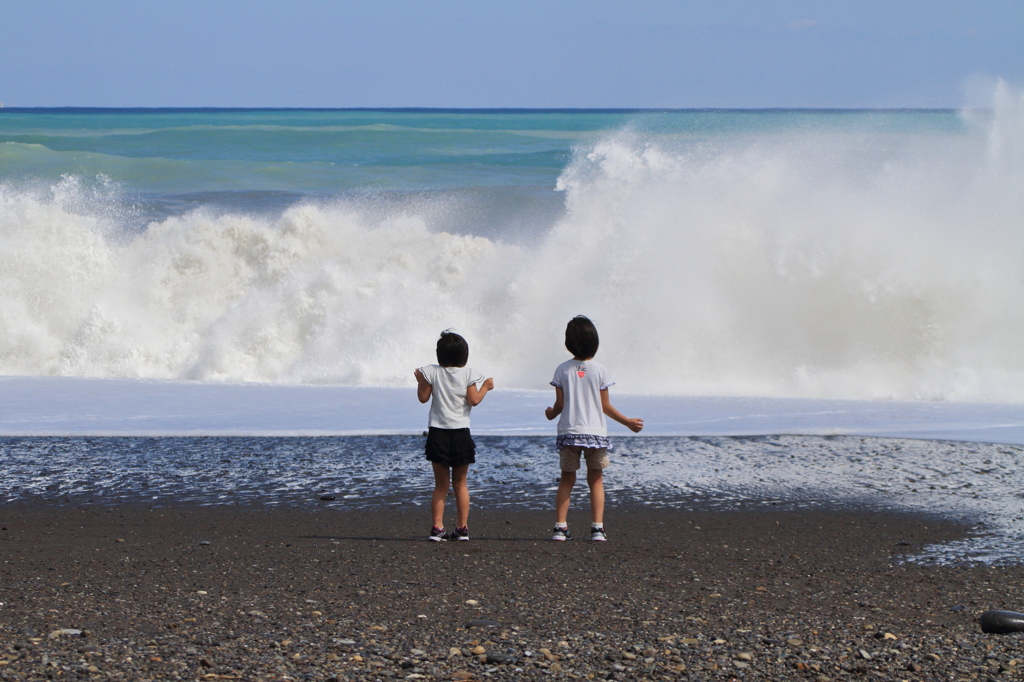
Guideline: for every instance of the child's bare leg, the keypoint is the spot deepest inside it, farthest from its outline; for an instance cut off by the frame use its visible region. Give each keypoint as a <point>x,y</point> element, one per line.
<point>461,494</point>
<point>565,484</point>
<point>441,480</point>
<point>595,477</point>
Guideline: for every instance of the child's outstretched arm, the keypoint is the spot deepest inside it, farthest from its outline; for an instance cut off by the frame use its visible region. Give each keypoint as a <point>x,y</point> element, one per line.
<point>556,409</point>
<point>634,425</point>
<point>423,389</point>
<point>476,395</point>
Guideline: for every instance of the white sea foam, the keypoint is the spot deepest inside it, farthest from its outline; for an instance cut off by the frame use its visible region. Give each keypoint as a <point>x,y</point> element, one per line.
<point>829,263</point>
<point>973,482</point>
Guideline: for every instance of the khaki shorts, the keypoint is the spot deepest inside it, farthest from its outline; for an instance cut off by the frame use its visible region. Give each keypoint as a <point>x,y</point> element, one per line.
<point>569,457</point>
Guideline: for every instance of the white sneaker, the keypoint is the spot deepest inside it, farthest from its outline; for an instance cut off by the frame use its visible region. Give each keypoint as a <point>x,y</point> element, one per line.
<point>561,534</point>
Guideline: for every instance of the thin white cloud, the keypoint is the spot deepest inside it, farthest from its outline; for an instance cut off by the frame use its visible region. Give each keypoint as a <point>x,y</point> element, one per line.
<point>802,24</point>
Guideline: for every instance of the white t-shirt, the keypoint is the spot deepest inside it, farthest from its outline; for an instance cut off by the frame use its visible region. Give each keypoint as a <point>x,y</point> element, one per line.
<point>581,383</point>
<point>449,408</point>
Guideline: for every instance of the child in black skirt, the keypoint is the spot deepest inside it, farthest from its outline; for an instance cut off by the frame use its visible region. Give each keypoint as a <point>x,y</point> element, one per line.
<point>455,389</point>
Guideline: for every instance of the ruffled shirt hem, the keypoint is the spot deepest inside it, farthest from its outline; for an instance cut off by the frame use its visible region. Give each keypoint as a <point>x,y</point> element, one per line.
<point>582,440</point>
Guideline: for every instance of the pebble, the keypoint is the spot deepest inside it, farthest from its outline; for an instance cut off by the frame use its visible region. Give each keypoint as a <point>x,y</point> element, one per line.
<point>70,632</point>
<point>482,623</point>
<point>328,498</point>
<point>477,650</point>
<point>795,642</point>
<point>1002,622</point>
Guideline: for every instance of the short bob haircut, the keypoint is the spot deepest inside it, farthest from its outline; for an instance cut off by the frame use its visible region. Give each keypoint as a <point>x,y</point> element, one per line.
<point>581,337</point>
<point>452,350</point>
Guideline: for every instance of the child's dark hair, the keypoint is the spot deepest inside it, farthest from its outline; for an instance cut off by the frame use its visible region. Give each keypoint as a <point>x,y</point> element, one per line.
<point>581,337</point>
<point>452,350</point>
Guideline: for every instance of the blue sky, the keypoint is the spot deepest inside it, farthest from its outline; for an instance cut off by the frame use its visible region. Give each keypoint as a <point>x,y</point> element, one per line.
<point>501,53</point>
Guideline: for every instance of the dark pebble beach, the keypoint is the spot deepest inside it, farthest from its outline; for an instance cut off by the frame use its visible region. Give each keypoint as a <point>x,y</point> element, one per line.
<point>228,593</point>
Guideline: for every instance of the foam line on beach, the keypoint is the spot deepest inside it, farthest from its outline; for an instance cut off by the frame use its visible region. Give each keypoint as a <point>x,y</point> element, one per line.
<point>970,484</point>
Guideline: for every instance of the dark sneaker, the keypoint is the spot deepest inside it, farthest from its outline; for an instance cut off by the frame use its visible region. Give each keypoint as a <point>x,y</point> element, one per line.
<point>439,535</point>
<point>461,534</point>
<point>597,534</point>
<point>561,534</point>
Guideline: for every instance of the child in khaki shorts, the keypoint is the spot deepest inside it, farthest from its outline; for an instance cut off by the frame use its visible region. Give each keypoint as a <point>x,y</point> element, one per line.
<point>581,399</point>
<point>569,458</point>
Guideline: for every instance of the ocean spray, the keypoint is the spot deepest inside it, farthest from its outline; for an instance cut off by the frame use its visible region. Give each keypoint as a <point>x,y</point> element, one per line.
<point>826,260</point>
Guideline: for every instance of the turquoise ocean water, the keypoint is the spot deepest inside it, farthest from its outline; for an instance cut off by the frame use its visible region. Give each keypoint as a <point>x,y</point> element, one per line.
<point>169,161</point>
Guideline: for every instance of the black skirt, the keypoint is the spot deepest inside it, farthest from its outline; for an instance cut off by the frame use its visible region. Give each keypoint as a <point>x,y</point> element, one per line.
<point>450,447</point>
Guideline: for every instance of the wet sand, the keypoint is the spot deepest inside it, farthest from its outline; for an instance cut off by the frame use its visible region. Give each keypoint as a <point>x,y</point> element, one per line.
<point>240,593</point>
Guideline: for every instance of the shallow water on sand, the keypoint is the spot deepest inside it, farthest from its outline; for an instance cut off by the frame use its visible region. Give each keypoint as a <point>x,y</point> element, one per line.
<point>972,482</point>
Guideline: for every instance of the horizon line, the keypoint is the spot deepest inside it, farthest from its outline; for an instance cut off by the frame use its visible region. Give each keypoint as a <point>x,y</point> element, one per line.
<point>483,110</point>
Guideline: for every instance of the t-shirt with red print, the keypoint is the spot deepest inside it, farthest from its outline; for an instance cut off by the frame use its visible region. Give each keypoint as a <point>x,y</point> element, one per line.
<point>581,382</point>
